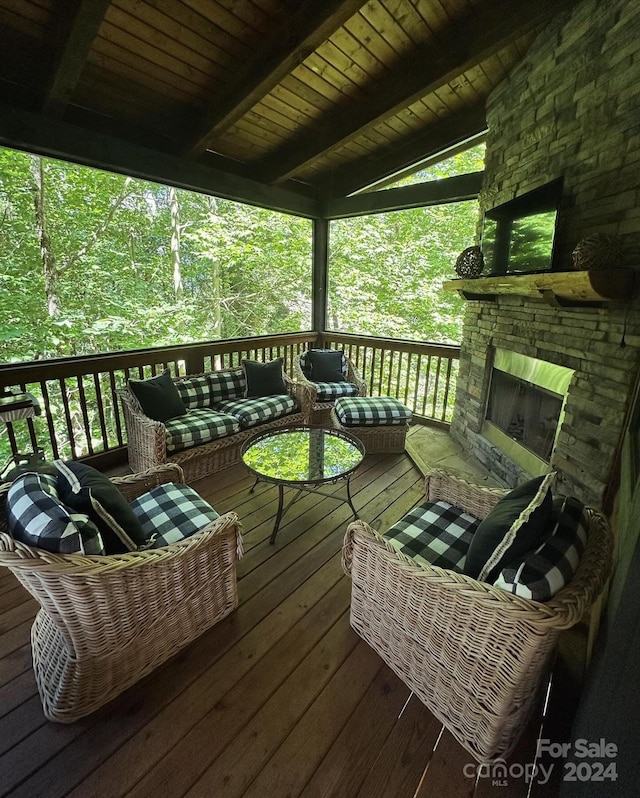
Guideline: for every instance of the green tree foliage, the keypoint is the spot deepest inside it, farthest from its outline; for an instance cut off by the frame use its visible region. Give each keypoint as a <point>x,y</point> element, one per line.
<point>386,271</point>
<point>89,262</point>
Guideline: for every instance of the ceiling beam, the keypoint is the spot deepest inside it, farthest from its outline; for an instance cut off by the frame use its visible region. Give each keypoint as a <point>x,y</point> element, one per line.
<point>425,163</point>
<point>482,33</point>
<point>434,192</point>
<point>304,29</point>
<point>80,29</point>
<point>362,173</point>
<point>58,139</point>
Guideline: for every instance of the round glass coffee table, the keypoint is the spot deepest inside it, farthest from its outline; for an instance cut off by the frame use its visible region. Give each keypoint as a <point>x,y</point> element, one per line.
<point>304,458</point>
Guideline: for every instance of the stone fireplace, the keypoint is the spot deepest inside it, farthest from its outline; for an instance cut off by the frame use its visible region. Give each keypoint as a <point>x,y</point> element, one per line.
<point>548,120</point>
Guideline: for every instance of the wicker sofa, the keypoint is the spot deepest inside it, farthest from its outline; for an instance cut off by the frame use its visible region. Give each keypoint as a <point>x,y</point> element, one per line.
<point>218,421</point>
<point>105,621</point>
<point>473,652</point>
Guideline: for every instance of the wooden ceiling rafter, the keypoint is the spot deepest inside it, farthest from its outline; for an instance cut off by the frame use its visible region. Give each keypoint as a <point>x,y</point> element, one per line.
<point>80,28</point>
<point>309,24</point>
<point>421,72</point>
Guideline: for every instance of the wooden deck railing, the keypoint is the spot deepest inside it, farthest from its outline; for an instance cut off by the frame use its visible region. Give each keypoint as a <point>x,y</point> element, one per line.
<point>81,416</point>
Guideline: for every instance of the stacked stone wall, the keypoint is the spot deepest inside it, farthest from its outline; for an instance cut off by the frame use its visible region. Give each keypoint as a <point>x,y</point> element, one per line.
<point>570,109</point>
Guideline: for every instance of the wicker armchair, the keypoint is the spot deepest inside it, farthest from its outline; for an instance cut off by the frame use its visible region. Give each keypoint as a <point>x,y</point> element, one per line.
<point>473,653</point>
<point>318,410</point>
<point>106,621</point>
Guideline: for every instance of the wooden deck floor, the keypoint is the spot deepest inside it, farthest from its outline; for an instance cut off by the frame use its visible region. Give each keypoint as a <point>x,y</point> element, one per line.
<point>280,699</point>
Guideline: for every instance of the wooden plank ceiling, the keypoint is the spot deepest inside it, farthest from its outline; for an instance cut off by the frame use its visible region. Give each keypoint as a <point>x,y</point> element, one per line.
<point>323,98</point>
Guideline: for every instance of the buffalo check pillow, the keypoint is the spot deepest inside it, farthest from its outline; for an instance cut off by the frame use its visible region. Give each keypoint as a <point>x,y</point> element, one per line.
<point>547,568</point>
<point>84,489</point>
<point>515,525</point>
<point>36,516</point>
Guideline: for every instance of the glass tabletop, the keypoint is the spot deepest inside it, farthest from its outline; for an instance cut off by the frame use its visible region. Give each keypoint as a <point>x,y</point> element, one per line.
<point>303,455</point>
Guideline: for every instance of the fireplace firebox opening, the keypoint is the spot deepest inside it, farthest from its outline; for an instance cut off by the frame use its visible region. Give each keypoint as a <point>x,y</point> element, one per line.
<point>525,408</point>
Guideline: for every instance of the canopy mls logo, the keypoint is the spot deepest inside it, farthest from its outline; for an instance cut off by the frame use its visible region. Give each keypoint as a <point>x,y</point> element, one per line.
<point>501,774</point>
<point>583,761</point>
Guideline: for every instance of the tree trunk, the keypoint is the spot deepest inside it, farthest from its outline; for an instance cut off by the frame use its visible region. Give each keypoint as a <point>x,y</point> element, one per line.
<point>216,283</point>
<point>51,274</point>
<point>175,241</point>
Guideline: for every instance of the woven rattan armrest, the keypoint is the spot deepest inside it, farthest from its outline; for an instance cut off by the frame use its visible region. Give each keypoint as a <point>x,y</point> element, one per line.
<point>146,438</point>
<point>477,500</point>
<point>354,376</point>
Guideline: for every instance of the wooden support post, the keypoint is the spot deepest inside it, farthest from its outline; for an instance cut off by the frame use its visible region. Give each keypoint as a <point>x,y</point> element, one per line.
<point>320,266</point>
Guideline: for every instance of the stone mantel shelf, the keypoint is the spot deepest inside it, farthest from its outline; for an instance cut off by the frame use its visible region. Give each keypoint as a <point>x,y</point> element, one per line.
<point>557,288</point>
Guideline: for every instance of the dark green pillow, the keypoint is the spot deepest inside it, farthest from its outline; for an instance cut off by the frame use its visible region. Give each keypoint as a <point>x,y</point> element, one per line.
<point>158,397</point>
<point>264,379</point>
<point>326,366</point>
<point>515,526</point>
<point>86,490</point>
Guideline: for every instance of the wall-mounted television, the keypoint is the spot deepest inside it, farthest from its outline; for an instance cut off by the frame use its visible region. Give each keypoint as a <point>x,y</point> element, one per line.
<point>518,236</point>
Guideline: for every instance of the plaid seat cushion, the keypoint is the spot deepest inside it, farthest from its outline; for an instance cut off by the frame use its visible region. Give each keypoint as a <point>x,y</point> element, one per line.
<point>37,517</point>
<point>172,512</point>
<point>328,391</point>
<point>225,385</point>
<point>434,533</point>
<point>542,572</point>
<point>371,411</point>
<point>250,412</point>
<point>195,391</point>
<point>199,426</point>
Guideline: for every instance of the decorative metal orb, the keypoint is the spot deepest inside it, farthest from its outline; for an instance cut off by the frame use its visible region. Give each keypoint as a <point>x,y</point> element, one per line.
<point>470,262</point>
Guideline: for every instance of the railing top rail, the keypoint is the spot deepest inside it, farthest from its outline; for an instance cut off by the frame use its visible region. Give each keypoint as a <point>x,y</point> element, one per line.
<point>29,371</point>
<point>399,344</point>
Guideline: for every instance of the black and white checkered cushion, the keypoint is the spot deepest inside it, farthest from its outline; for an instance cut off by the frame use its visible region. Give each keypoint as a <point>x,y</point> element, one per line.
<point>172,512</point>
<point>195,391</point>
<point>225,385</point>
<point>199,426</point>
<point>370,411</point>
<point>332,390</point>
<point>434,533</point>
<point>250,412</point>
<point>305,364</point>
<point>541,573</point>
<point>37,517</point>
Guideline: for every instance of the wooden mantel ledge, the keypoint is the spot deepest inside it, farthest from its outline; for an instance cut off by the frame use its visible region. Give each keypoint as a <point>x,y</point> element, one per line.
<point>557,288</point>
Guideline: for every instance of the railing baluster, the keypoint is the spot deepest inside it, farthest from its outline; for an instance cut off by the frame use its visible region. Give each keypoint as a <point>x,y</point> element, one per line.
<point>104,435</point>
<point>115,403</point>
<point>445,401</point>
<point>436,387</point>
<point>46,409</point>
<point>84,414</point>
<point>64,398</point>
<point>398,373</point>
<point>373,369</point>
<point>391,358</point>
<point>408,378</point>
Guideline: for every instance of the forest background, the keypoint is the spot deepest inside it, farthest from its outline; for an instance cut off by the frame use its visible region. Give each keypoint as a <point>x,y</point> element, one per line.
<point>92,261</point>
